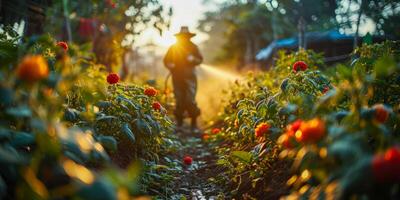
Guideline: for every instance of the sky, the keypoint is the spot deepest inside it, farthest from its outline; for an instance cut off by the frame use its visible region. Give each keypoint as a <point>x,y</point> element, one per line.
<point>186,13</point>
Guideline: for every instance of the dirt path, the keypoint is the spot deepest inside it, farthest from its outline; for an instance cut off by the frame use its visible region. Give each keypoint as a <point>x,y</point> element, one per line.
<point>197,180</point>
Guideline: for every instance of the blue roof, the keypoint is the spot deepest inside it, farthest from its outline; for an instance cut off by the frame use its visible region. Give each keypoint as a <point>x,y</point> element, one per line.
<point>292,42</point>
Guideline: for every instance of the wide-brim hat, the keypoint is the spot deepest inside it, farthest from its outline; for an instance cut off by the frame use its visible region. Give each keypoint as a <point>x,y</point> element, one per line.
<point>185,32</point>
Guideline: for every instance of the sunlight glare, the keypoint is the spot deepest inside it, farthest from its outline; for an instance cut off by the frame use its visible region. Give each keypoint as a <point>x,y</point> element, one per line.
<point>219,73</point>
<point>166,40</point>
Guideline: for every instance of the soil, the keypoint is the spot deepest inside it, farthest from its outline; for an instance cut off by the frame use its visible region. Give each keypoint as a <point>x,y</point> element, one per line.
<point>199,180</point>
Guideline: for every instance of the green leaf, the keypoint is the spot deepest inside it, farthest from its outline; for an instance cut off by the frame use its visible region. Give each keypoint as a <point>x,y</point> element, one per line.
<point>6,96</point>
<point>108,142</point>
<point>8,155</point>
<point>367,39</point>
<point>222,162</point>
<point>3,188</point>
<point>128,132</point>
<point>20,111</point>
<point>104,104</point>
<point>159,167</point>
<point>71,114</point>
<point>357,178</point>
<point>243,156</point>
<point>99,190</point>
<point>107,118</point>
<point>143,127</point>
<point>22,139</point>
<point>5,134</point>
<point>384,66</point>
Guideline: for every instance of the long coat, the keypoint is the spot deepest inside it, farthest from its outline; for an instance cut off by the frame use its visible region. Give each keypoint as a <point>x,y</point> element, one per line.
<point>181,59</point>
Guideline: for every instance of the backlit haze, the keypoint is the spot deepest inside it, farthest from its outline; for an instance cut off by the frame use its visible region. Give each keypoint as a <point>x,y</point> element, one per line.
<point>185,13</point>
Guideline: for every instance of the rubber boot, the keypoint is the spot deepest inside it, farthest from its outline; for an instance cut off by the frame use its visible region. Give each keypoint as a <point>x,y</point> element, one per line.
<point>179,121</point>
<point>194,128</point>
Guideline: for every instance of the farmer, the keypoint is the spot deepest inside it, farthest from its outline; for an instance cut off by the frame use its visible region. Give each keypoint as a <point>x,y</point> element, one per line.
<point>181,60</point>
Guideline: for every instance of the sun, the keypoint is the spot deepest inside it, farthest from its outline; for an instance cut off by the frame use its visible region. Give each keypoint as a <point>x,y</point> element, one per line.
<point>166,40</point>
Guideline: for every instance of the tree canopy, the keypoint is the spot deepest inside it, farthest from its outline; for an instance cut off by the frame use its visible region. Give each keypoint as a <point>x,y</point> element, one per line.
<point>250,25</point>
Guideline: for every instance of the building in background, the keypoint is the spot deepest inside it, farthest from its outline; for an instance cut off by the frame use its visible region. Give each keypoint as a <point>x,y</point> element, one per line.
<point>336,47</point>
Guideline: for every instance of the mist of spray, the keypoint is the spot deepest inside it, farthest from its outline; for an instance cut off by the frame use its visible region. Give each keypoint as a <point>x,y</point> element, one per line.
<point>211,83</point>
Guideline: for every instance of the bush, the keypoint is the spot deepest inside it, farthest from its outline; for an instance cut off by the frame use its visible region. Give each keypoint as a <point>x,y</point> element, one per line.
<point>60,122</point>
<point>329,128</point>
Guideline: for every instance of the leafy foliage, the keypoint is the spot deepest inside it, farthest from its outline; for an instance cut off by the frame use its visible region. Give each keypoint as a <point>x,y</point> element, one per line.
<point>341,126</point>
<point>61,136</point>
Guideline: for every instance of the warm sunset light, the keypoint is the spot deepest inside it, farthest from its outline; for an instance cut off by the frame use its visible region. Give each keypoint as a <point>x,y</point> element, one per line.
<point>199,99</point>
<point>166,40</point>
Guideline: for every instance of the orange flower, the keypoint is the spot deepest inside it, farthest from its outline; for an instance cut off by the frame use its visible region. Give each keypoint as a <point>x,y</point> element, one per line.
<point>236,123</point>
<point>215,131</point>
<point>262,129</point>
<point>33,68</point>
<point>381,113</point>
<point>311,131</point>
<point>287,138</point>
<point>150,91</point>
<point>286,141</point>
<point>206,136</point>
<point>295,125</point>
<point>63,45</point>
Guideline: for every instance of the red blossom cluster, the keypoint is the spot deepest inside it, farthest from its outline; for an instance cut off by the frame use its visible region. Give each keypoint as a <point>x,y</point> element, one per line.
<point>156,106</point>
<point>381,113</point>
<point>303,132</point>
<point>113,78</point>
<point>187,160</point>
<point>386,168</point>
<point>215,131</point>
<point>150,91</point>
<point>63,45</point>
<point>299,66</point>
<point>262,129</point>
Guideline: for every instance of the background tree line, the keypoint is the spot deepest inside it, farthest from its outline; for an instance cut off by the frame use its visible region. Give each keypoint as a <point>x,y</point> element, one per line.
<point>110,26</point>
<point>249,25</point>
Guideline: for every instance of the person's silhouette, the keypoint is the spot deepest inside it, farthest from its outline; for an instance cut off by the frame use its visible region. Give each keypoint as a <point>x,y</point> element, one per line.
<point>181,60</point>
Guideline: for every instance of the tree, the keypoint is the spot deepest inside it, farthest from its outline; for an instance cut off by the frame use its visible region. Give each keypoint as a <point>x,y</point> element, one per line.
<point>110,25</point>
<point>250,25</point>
<point>30,11</point>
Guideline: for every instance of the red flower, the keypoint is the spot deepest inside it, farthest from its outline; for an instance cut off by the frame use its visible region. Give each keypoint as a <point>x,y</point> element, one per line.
<point>296,125</point>
<point>111,3</point>
<point>299,65</point>
<point>112,78</point>
<point>325,90</point>
<point>187,160</point>
<point>87,27</point>
<point>381,113</point>
<point>262,129</point>
<point>387,168</point>
<point>310,131</point>
<point>156,106</point>
<point>215,131</point>
<point>286,141</point>
<point>150,91</point>
<point>63,45</point>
